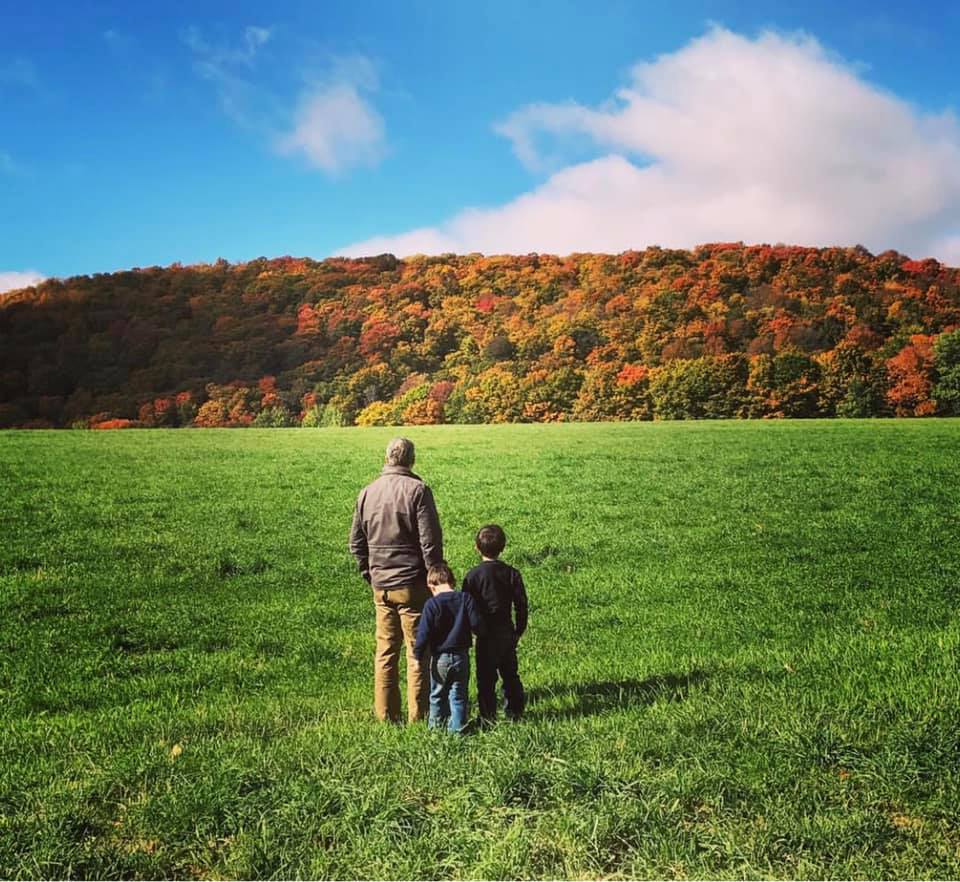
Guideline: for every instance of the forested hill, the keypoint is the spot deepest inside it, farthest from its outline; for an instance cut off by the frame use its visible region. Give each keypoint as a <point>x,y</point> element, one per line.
<point>721,331</point>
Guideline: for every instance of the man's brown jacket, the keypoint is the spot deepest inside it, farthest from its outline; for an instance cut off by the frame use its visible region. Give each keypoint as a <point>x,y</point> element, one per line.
<point>396,531</point>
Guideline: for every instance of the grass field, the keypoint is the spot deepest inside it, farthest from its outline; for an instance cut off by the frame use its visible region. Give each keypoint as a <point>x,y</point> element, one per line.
<point>742,658</point>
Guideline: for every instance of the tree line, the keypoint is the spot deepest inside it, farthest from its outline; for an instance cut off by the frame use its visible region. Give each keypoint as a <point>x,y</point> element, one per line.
<point>723,330</point>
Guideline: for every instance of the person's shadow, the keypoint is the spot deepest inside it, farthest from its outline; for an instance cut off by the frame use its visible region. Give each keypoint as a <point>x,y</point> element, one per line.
<point>588,699</point>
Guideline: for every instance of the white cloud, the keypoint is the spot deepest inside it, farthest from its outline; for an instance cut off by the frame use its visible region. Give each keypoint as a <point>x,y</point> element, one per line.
<point>729,138</point>
<point>947,249</point>
<point>335,128</point>
<point>10,281</point>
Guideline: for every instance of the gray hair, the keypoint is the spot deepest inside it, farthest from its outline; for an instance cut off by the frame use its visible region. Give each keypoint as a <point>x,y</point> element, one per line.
<point>400,452</point>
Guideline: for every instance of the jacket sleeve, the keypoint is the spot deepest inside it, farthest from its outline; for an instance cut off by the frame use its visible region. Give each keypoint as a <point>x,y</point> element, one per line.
<point>476,620</point>
<point>423,634</point>
<point>428,525</point>
<point>358,540</point>
<point>519,603</point>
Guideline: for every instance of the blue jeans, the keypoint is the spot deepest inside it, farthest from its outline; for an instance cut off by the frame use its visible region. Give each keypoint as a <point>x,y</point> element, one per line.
<point>449,676</point>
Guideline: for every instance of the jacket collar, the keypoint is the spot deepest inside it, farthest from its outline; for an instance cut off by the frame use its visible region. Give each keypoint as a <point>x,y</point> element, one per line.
<point>399,470</point>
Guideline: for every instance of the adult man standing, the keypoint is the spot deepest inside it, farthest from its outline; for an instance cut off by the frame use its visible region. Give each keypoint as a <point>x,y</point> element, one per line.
<point>395,538</point>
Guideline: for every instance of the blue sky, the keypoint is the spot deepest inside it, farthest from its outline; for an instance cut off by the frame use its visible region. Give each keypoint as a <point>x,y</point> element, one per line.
<point>135,134</point>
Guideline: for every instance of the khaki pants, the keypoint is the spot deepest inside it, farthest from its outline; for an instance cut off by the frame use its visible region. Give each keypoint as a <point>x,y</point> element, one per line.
<point>398,615</point>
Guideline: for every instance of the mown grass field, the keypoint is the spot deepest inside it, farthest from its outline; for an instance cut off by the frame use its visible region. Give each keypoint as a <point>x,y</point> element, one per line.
<point>742,659</point>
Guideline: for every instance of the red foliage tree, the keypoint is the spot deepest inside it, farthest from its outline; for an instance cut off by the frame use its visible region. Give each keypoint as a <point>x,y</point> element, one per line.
<point>911,377</point>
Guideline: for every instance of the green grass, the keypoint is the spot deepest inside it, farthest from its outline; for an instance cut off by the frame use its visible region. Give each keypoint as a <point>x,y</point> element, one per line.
<point>742,657</point>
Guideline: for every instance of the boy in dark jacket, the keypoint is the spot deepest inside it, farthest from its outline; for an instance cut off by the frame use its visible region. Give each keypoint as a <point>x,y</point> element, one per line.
<point>500,595</point>
<point>449,620</point>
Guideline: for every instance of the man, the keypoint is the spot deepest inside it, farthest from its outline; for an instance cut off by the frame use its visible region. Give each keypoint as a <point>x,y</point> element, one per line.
<point>395,539</point>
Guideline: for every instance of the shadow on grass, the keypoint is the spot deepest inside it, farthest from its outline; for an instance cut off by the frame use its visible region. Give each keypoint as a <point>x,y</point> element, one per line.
<point>589,699</point>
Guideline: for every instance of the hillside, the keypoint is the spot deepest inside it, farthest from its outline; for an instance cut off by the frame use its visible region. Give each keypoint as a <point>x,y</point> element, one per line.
<point>725,330</point>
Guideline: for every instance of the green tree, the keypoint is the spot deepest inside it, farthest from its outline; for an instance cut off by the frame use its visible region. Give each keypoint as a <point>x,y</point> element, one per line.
<point>495,396</point>
<point>700,388</point>
<point>853,383</point>
<point>614,392</point>
<point>783,385</point>
<point>946,359</point>
<point>276,417</point>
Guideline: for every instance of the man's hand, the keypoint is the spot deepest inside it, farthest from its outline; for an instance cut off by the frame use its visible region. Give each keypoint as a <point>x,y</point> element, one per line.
<point>366,576</point>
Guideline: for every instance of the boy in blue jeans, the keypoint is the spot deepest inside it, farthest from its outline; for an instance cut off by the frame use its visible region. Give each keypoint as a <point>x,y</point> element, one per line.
<point>447,624</point>
<point>498,591</point>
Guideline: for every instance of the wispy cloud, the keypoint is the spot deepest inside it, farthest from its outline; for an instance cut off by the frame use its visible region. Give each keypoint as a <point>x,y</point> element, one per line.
<point>333,124</point>
<point>764,140</point>
<point>120,43</point>
<point>8,165</point>
<point>19,72</point>
<point>229,69</point>
<point>10,281</point>
<point>243,53</point>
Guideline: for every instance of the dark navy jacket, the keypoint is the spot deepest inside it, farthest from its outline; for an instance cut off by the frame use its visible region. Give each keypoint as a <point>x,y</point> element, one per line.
<point>446,624</point>
<point>499,592</point>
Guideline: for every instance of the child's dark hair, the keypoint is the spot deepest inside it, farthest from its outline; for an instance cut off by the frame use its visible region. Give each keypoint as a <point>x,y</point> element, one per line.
<point>441,574</point>
<point>491,540</point>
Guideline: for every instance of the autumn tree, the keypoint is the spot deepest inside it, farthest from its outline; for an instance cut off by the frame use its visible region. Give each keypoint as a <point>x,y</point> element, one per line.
<point>611,392</point>
<point>910,374</point>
